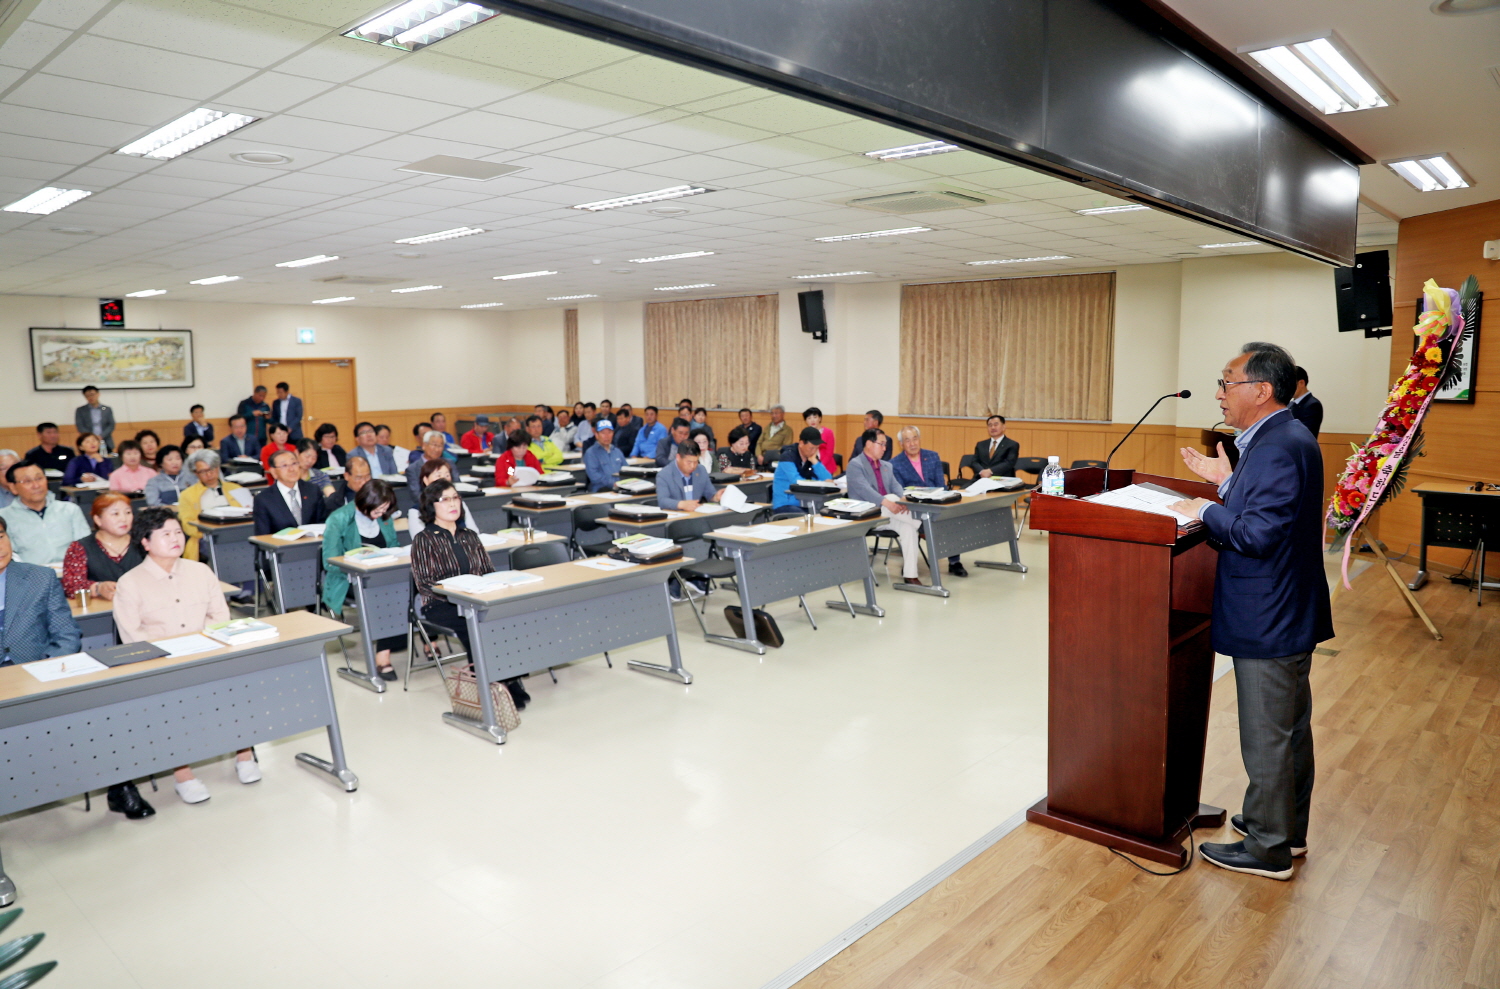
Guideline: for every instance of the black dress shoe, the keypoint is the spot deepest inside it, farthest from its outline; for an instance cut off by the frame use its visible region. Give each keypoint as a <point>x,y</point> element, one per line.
<point>125,799</point>
<point>389,673</point>
<point>957,570</point>
<point>518,694</point>
<point>1238,823</point>
<point>1236,859</point>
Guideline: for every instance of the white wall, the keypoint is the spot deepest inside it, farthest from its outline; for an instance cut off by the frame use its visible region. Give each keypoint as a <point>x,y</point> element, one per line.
<point>611,352</point>
<point>1147,306</point>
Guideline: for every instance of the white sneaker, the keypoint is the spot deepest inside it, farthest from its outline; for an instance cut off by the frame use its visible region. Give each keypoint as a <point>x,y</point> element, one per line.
<point>248,770</point>
<point>193,791</point>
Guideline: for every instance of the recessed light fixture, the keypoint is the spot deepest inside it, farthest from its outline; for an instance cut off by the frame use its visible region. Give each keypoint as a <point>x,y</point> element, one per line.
<point>684,288</point>
<point>145,293</point>
<point>1324,74</point>
<point>336,298</point>
<point>1049,257</point>
<point>874,233</point>
<point>186,133</point>
<point>1106,210</point>
<point>71,231</point>
<point>215,280</point>
<point>914,151</point>
<point>417,288</point>
<point>1430,173</point>
<point>1237,243</point>
<point>261,158</point>
<point>1465,6</point>
<point>569,298</point>
<point>675,192</point>
<point>832,274</point>
<point>669,211</point>
<point>48,200</point>
<point>482,305</point>
<point>442,235</point>
<point>419,23</point>
<point>304,262</point>
<point>523,274</point>
<point>672,257</point>
<point>453,167</point>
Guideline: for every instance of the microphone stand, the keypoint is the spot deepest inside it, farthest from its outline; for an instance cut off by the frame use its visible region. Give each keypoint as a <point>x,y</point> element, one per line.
<point>1175,394</point>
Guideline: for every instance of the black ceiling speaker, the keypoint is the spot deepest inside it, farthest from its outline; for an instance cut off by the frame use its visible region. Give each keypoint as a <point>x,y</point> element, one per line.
<point>814,320</point>
<point>1363,294</point>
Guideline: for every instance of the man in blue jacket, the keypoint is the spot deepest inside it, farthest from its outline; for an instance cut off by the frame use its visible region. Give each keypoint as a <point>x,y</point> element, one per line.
<point>603,459</point>
<point>1271,604</point>
<point>807,467</point>
<point>35,622</point>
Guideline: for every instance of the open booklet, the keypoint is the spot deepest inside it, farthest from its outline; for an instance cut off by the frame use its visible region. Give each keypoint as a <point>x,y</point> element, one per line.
<point>1144,498</point>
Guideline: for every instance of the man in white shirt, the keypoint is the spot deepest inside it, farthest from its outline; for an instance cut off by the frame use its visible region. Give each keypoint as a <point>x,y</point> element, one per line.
<point>287,409</point>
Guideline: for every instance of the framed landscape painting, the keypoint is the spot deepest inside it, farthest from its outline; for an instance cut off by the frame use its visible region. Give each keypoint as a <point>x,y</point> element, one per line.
<point>66,360</point>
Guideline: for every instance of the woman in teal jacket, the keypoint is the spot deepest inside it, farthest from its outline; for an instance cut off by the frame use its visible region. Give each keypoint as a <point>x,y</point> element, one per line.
<point>365,521</point>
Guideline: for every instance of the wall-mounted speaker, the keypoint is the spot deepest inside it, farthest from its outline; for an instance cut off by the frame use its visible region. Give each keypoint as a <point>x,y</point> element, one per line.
<point>1363,294</point>
<point>814,319</point>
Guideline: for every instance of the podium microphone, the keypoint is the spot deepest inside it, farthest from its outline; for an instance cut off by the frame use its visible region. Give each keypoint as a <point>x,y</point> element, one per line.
<point>1176,394</point>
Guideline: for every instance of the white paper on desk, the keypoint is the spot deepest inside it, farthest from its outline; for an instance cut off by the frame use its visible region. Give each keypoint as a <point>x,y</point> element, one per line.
<point>244,477</point>
<point>186,645</point>
<point>734,499</point>
<point>709,508</point>
<point>91,485</point>
<point>314,528</point>
<point>62,667</point>
<point>1142,499</point>
<point>605,563</point>
<point>495,540</point>
<point>469,583</point>
<point>825,520</point>
<point>987,484</point>
<point>768,531</point>
<point>243,498</point>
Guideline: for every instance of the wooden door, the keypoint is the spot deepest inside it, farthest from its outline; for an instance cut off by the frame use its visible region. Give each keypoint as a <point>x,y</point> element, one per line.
<point>325,385</point>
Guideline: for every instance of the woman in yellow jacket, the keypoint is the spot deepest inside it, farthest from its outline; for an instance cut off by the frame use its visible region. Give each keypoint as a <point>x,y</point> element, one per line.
<point>209,492</point>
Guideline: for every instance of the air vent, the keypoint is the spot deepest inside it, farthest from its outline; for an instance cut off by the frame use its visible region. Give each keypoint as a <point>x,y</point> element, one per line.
<point>924,200</point>
<point>359,280</point>
<point>460,168</point>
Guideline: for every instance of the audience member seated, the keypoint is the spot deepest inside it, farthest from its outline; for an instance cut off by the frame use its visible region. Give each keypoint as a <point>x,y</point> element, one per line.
<point>130,477</point>
<point>280,440</point>
<point>685,409</point>
<point>307,456</point>
<point>738,459</point>
<point>583,435</point>
<point>918,468</point>
<point>807,467</point>
<point>603,459</point>
<point>239,442</point>
<point>356,475</point>
<point>400,453</point>
<point>382,458</point>
<point>367,521</point>
<point>91,417</point>
<point>191,447</point>
<point>699,424</point>
<point>209,491</point>
<point>198,427</point>
<point>150,445</point>
<point>666,448</point>
<point>49,453</point>
<point>517,454</point>
<point>330,454</point>
<point>544,413</point>
<point>90,464</point>
<point>773,438</point>
<point>95,563</point>
<point>440,423</point>
<point>478,439</point>
<point>542,447</point>
<point>417,432</point>
<point>447,547</point>
<point>649,436</point>
<point>874,419</point>
<point>434,470</point>
<point>167,486</point>
<point>8,459</point>
<point>814,419</point>
<point>167,596</point>
<point>872,479</point>
<point>433,445</point>
<point>685,484</point>
<point>996,456</point>
<point>753,428</point>
<point>700,439</point>
<point>257,413</point>
<point>563,430</point>
<point>627,428</point>
<point>289,501</point>
<point>35,622</point>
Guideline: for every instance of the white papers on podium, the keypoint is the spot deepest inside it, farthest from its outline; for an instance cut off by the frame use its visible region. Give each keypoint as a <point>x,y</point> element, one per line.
<point>1144,498</point>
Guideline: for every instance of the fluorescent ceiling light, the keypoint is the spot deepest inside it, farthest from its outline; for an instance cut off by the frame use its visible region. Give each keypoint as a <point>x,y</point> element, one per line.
<point>523,274</point>
<point>1237,243</point>
<point>1106,210</point>
<point>482,305</point>
<point>48,200</point>
<point>215,280</point>
<point>672,257</point>
<point>336,298</point>
<point>190,131</point>
<point>145,293</point>
<point>442,235</point>
<point>569,298</point>
<point>1430,173</point>
<point>684,288</point>
<point>675,192</point>
<point>304,262</point>
<point>1323,74</point>
<point>417,288</point>
<point>1050,257</point>
<point>419,23</point>
<point>833,274</point>
<point>874,233</point>
<point>914,151</point>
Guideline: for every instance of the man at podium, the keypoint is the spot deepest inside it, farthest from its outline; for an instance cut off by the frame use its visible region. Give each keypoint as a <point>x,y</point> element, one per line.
<point>1271,604</point>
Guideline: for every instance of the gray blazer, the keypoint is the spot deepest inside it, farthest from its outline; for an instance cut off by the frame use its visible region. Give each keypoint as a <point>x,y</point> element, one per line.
<point>862,480</point>
<point>85,423</point>
<point>38,624</point>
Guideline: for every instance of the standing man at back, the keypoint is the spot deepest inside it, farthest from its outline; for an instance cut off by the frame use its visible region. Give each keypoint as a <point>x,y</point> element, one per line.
<point>1305,405</point>
<point>91,417</point>
<point>1271,605</point>
<point>287,409</point>
<point>257,413</point>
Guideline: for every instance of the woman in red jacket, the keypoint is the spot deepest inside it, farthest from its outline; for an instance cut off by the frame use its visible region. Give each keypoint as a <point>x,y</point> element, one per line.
<point>517,444</point>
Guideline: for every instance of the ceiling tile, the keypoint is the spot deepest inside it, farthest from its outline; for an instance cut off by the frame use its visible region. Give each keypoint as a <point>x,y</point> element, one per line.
<point>781,114</point>
<point>92,99</point>
<point>208,30</point>
<point>71,14</point>
<point>329,13</point>
<point>340,59</point>
<point>617,151</point>
<point>656,80</point>
<point>364,109</point>
<point>108,61</point>
<point>513,43</point>
<point>579,107</point>
<point>40,172</point>
<point>699,133</point>
<point>30,43</point>
<point>57,152</point>
<point>271,92</point>
<point>434,76</point>
<point>318,135</point>
<point>493,130</point>
<point>64,126</point>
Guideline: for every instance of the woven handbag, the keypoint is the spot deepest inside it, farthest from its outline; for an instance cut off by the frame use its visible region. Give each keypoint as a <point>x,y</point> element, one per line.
<point>463,694</point>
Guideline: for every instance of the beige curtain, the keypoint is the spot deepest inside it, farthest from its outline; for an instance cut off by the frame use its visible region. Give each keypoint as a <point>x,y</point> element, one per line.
<point>718,352</point>
<point>570,354</point>
<point>1032,348</point>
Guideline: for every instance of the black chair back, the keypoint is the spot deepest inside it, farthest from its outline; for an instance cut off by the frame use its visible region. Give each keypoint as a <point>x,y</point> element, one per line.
<point>1086,463</point>
<point>947,474</point>
<point>586,517</point>
<point>1031,465</point>
<point>533,555</point>
<point>689,529</point>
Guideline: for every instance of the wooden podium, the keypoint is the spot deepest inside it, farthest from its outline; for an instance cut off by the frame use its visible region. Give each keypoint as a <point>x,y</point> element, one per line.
<point>1130,668</point>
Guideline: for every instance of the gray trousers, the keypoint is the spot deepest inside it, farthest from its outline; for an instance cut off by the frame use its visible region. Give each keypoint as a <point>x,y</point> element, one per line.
<point>1276,743</point>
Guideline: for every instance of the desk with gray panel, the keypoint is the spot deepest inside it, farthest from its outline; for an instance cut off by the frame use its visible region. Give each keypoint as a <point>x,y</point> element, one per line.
<point>226,547</point>
<point>962,527</point>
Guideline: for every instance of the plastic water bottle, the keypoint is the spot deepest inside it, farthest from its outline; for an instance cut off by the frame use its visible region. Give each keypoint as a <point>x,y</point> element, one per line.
<point>1052,478</point>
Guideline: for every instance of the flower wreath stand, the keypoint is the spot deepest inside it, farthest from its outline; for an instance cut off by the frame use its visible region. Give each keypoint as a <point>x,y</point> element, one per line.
<point>1378,548</point>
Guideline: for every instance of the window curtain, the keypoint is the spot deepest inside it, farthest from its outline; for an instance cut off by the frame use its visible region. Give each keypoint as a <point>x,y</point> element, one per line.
<point>570,354</point>
<point>1029,348</point>
<point>722,353</point>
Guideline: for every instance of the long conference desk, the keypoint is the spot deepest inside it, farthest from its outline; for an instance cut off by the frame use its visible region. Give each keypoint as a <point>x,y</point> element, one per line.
<point>963,526</point>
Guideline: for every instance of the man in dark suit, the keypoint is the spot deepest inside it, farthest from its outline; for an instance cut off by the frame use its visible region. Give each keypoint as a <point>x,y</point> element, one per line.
<point>996,456</point>
<point>91,417</point>
<point>35,622</point>
<point>1305,405</point>
<point>239,442</point>
<point>874,419</point>
<point>257,413</point>
<point>289,501</point>
<point>288,409</point>
<point>1271,605</point>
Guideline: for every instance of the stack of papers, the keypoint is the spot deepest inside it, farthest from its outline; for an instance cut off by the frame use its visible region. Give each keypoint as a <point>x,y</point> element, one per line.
<point>311,529</point>
<point>765,531</point>
<point>241,631</point>
<point>332,471</point>
<point>605,563</point>
<point>1143,498</point>
<point>186,645</point>
<point>227,512</point>
<point>91,485</point>
<point>245,477</point>
<point>987,484</point>
<point>734,500</point>
<point>496,540</point>
<point>469,583</point>
<point>372,554</point>
<point>62,667</point>
<point>709,508</point>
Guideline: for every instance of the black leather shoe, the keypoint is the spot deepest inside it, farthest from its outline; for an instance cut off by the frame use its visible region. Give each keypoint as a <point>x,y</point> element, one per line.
<point>1238,823</point>
<point>518,694</point>
<point>957,570</point>
<point>125,799</point>
<point>1236,859</point>
<point>389,673</point>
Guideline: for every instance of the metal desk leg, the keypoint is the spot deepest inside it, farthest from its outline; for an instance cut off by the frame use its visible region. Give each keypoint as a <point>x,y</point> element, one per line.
<point>675,670</point>
<point>1015,565</point>
<point>490,729</point>
<point>749,643</point>
<point>935,567</point>
<point>1421,577</point>
<point>369,679</point>
<point>869,607</point>
<point>275,579</point>
<point>339,767</point>
<point>7,889</point>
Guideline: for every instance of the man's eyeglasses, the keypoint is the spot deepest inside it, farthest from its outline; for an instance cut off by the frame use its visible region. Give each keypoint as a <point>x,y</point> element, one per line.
<point>1226,385</point>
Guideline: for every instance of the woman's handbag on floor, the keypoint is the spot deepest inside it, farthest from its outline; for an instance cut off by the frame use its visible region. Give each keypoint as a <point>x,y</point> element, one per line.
<point>463,694</point>
<point>766,630</point>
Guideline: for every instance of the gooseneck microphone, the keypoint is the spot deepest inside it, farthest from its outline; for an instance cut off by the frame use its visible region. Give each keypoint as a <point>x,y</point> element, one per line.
<point>1176,394</point>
